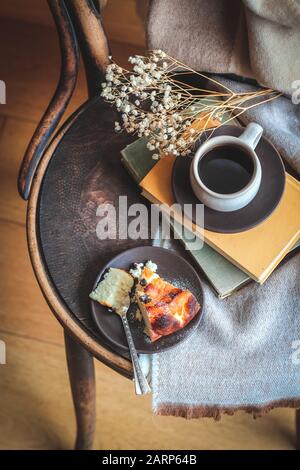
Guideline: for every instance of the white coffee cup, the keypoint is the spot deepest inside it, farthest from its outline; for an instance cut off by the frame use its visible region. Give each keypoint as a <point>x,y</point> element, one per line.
<point>246,144</point>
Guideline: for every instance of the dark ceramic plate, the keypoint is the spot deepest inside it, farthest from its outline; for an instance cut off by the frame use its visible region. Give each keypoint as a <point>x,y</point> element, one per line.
<point>264,203</point>
<point>171,267</point>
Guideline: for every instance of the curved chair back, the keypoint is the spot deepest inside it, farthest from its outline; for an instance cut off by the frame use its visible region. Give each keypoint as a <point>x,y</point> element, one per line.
<point>79,27</point>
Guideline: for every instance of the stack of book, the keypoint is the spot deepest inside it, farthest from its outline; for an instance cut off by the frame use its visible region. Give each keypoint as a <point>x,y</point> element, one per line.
<point>229,261</point>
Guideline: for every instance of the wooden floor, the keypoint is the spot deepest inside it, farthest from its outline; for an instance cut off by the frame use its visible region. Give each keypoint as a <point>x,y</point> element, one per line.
<point>35,402</point>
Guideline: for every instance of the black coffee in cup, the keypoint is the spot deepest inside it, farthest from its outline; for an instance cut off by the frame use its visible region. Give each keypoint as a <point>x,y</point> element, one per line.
<point>226,169</point>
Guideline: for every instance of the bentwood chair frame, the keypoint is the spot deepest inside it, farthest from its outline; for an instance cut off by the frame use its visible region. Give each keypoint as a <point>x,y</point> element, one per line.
<point>79,26</point>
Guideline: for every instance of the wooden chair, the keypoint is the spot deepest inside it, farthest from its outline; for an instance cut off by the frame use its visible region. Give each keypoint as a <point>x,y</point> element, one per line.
<point>64,179</point>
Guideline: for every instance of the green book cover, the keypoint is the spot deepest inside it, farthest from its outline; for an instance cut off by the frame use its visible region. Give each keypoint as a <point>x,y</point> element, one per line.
<point>138,159</point>
<point>224,277</point>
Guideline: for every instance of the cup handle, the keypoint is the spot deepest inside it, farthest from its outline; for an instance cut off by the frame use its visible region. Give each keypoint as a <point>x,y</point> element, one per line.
<point>252,134</point>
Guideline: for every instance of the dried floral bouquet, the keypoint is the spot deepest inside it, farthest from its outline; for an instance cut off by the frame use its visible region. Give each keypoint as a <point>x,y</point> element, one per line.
<point>155,102</point>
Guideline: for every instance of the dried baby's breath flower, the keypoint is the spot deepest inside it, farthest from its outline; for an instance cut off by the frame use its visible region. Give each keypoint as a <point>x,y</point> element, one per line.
<point>154,102</point>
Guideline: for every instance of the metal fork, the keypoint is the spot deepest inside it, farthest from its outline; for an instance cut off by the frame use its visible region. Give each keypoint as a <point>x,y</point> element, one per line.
<point>141,384</point>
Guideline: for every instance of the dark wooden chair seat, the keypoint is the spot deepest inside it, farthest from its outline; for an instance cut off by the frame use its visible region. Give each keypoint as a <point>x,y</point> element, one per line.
<point>85,170</point>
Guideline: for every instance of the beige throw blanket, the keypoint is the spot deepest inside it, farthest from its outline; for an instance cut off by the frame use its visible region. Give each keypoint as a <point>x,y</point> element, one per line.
<point>253,38</point>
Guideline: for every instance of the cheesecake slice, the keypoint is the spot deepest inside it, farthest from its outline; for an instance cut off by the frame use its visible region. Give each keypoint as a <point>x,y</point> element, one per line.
<point>114,290</point>
<point>165,308</point>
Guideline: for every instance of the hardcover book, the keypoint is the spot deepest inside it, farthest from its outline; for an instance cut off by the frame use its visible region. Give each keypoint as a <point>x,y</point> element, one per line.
<point>224,277</point>
<point>256,251</point>
<point>138,159</point>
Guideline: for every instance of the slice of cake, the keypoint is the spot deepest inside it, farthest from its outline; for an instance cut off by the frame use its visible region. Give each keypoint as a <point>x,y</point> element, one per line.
<point>114,290</point>
<point>165,308</point>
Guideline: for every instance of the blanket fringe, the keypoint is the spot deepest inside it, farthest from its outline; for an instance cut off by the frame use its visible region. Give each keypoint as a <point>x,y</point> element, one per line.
<point>215,412</point>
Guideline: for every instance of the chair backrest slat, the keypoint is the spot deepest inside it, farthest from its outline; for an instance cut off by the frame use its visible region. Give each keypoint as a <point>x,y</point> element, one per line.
<point>62,95</point>
<point>92,39</point>
<point>77,21</point>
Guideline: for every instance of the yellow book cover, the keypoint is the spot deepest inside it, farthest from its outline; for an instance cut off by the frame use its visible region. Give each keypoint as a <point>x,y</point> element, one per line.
<point>256,251</point>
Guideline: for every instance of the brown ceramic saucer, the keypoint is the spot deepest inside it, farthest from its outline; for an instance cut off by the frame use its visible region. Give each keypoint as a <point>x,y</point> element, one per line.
<point>171,267</point>
<point>264,203</point>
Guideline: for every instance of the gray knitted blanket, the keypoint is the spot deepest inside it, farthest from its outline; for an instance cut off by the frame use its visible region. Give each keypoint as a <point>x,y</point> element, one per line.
<point>251,38</point>
<point>246,352</point>
<point>245,355</point>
